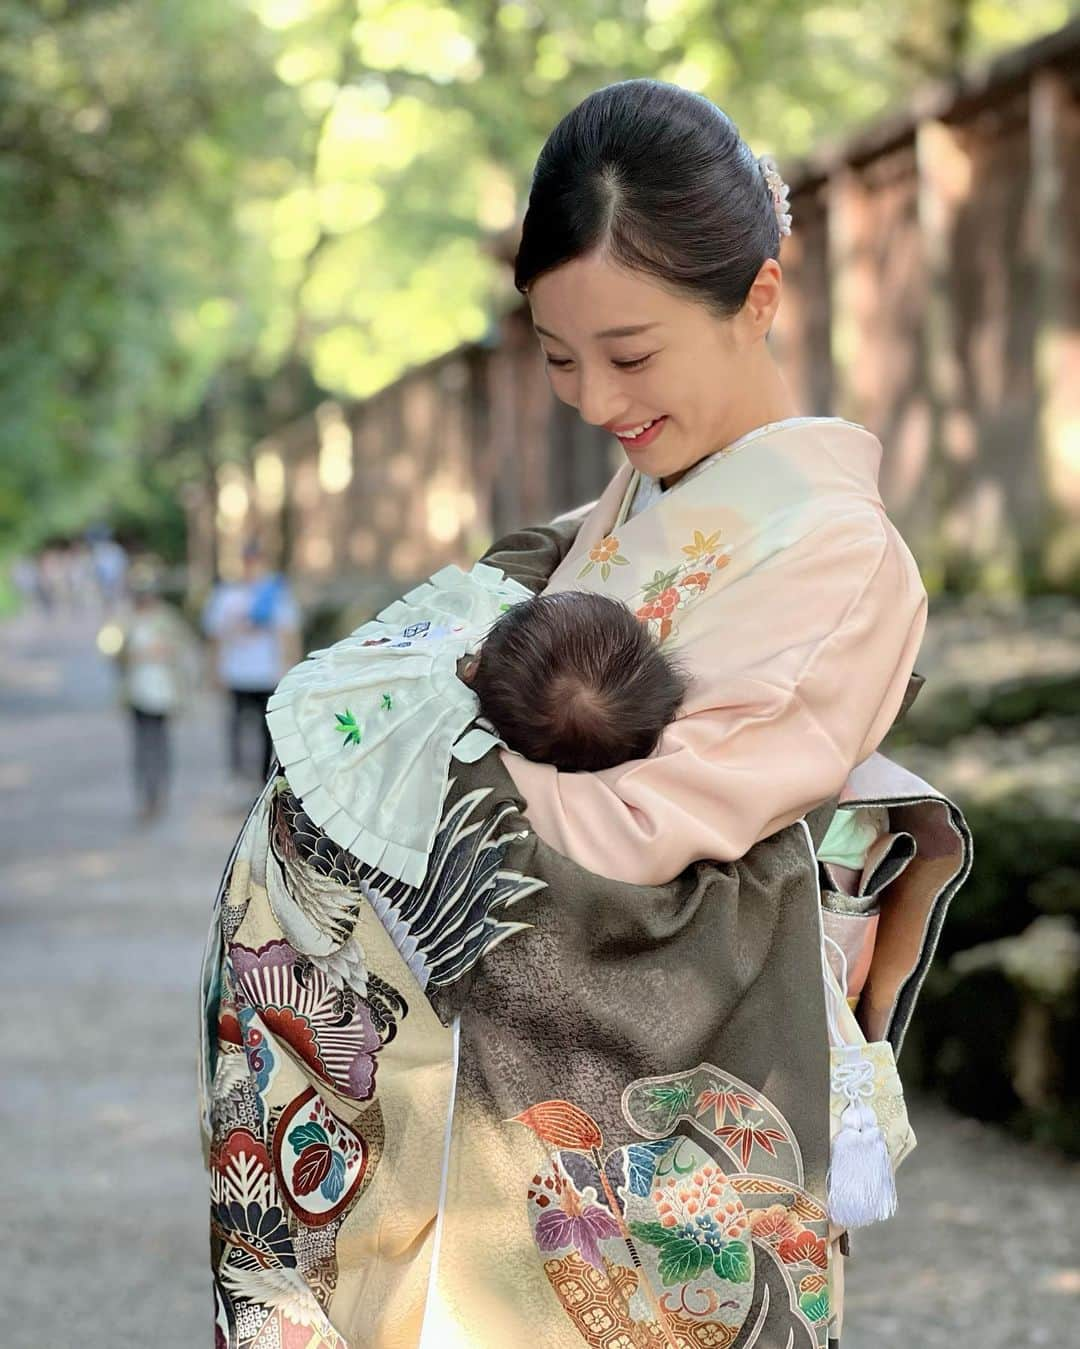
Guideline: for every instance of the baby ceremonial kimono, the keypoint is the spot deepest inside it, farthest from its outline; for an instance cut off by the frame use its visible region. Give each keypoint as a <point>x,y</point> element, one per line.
<point>520,1101</point>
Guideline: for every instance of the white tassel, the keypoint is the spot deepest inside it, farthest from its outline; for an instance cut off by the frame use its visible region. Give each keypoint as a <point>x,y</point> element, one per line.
<point>861,1188</point>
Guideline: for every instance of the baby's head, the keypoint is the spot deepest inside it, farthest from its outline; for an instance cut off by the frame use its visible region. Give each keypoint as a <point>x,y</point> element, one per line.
<point>575,680</point>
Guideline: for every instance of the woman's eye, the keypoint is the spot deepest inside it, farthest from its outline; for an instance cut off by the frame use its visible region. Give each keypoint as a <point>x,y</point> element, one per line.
<point>561,364</point>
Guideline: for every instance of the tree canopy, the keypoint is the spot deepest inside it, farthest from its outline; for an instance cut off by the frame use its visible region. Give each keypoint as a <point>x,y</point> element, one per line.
<point>212,214</point>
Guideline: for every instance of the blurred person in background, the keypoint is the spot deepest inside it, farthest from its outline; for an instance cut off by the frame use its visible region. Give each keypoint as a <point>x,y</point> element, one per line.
<point>26,578</point>
<point>157,656</point>
<point>55,587</point>
<point>254,625</point>
<point>110,566</point>
<point>84,588</point>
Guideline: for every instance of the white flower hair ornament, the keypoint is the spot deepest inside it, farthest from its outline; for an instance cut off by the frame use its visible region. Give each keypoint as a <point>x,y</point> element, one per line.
<point>778,190</point>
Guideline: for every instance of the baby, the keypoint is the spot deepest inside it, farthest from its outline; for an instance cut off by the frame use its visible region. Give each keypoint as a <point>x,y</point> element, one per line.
<point>575,680</point>
<point>366,732</point>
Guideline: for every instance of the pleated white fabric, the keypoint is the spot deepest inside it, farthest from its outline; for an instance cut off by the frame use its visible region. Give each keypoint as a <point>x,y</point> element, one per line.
<point>365,730</point>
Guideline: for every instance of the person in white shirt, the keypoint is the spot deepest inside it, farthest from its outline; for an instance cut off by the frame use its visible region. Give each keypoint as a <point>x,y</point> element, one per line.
<point>254,625</point>
<point>158,661</point>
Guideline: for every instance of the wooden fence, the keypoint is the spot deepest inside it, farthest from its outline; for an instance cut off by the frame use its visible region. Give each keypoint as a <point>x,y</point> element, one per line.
<point>932,293</point>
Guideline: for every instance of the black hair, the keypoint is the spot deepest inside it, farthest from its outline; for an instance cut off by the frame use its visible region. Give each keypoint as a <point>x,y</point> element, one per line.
<point>575,680</point>
<point>659,177</point>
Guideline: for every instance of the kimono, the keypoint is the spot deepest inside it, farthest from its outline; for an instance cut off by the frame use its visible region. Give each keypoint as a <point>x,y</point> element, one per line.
<point>517,1100</point>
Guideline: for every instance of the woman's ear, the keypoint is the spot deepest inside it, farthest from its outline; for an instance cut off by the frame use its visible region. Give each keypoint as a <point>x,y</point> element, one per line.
<point>763,299</point>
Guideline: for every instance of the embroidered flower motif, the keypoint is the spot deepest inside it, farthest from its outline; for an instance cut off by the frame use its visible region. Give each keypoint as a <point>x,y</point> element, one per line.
<point>677,588</point>
<point>697,1202</point>
<point>700,1228</point>
<point>604,555</point>
<point>349,727</point>
<point>262,1231</point>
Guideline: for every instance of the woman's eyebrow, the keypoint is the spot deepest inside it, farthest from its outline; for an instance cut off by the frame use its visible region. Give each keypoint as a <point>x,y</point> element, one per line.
<point>627,331</point>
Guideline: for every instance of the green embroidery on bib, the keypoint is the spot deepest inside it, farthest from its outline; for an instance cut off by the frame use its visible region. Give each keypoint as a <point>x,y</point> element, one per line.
<point>349,727</point>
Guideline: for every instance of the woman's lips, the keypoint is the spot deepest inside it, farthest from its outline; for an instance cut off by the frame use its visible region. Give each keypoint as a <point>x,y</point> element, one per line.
<point>646,437</point>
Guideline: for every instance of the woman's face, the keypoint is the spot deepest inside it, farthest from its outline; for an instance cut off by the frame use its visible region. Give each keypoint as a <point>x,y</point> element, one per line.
<point>625,351</point>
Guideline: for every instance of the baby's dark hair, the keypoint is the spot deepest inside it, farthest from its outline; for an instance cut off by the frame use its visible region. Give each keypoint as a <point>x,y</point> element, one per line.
<point>575,680</point>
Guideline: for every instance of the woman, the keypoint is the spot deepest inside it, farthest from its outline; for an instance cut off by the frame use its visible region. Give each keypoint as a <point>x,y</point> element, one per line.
<point>577,1085</point>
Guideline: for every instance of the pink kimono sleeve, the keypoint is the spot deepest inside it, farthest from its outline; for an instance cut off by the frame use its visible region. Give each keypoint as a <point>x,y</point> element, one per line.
<point>782,737</point>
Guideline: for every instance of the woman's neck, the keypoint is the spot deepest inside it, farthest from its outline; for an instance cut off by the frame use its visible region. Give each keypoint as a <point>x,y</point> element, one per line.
<point>768,399</point>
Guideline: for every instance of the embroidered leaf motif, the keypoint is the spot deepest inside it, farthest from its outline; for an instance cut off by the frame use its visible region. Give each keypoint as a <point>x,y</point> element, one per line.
<point>745,1134</point>
<point>617,561</point>
<point>562,1125</point>
<point>349,727</point>
<point>584,1231</point>
<point>641,1160</point>
<point>683,1259</point>
<point>660,582</point>
<point>653,1234</point>
<point>701,545</point>
<point>334,1183</point>
<point>303,1134</point>
<point>815,1306</point>
<point>669,1099</point>
<point>586,569</point>
<point>723,1103</point>
<point>387,703</point>
<point>732,1262</point>
<point>312,1168</point>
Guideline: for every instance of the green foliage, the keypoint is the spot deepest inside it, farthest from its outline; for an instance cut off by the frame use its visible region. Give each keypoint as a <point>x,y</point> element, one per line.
<point>975,1037</point>
<point>197,198</point>
<point>941,716</point>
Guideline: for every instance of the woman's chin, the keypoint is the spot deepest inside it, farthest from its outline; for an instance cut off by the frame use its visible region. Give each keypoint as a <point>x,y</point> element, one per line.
<point>655,464</point>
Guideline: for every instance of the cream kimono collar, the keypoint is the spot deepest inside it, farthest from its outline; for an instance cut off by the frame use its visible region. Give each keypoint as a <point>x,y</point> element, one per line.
<point>365,730</point>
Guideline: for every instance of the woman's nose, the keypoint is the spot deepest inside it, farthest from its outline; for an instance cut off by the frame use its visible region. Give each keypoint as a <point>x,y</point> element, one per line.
<point>598,398</point>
